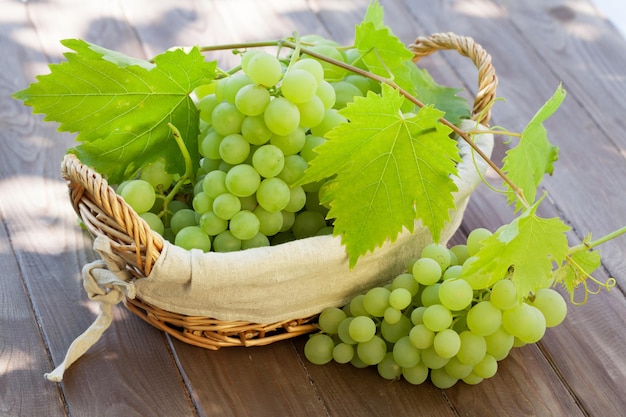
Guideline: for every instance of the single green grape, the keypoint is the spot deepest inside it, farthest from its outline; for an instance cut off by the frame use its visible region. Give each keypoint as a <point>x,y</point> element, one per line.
<point>263,69</point>
<point>298,85</point>
<point>252,100</point>
<point>447,343</point>
<point>484,318</point>
<point>525,322</point>
<point>181,219</point>
<point>439,253</point>
<point>255,131</point>
<point>242,180</point>
<point>362,329</point>
<point>392,332</point>
<point>244,225</point>
<point>268,160</point>
<point>457,369</point>
<point>455,294</point>
<point>234,149</point>
<point>156,175</point>
<point>473,348</point>
<point>426,271</point>
<point>281,116</point>
<point>311,112</point>
<point>290,144</point>
<point>437,317</point>
<point>487,367</point>
<point>405,354</point>
<point>226,205</point>
<point>330,318</point>
<point>376,301</point>
<point>214,183</point>
<point>388,368</point>
<point>551,304</point>
<point>319,349</point>
<point>273,194</point>
<point>503,294</point>
<point>416,375</point>
<point>211,224</point>
<point>139,195</point>
<point>226,118</point>
<point>373,351</point>
<point>326,93</point>
<point>343,353</point>
<point>499,343</point>
<point>192,237</point>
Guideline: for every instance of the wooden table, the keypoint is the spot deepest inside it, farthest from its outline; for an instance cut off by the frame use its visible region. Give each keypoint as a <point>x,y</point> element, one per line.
<point>579,368</point>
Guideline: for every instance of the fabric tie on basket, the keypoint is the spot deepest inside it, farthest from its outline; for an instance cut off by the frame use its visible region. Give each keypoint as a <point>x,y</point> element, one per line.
<point>107,282</point>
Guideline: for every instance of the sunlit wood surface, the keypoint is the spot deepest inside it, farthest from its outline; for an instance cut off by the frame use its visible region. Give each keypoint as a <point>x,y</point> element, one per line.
<point>578,369</point>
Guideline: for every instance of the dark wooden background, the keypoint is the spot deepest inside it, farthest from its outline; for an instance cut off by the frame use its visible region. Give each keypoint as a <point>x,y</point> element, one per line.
<point>578,369</point>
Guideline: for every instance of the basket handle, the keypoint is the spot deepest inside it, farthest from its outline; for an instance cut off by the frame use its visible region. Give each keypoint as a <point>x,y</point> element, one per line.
<point>466,46</point>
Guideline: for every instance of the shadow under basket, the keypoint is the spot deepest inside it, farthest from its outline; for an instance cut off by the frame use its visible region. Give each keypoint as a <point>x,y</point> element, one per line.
<point>106,214</point>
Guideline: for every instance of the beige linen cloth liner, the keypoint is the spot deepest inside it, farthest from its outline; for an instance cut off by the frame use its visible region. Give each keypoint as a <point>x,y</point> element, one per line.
<point>262,285</point>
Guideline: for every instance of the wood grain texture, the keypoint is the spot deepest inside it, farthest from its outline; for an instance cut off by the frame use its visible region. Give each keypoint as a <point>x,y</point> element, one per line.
<point>577,369</point>
<point>262,381</point>
<point>23,355</point>
<point>573,191</point>
<point>50,250</point>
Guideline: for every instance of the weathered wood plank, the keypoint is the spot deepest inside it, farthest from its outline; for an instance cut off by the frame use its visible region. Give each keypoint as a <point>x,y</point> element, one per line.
<point>258,381</point>
<point>582,197</point>
<point>50,249</point>
<point>164,25</point>
<point>23,356</point>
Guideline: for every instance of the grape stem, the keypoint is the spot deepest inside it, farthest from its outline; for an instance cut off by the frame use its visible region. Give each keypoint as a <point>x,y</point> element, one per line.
<point>188,168</point>
<point>589,245</point>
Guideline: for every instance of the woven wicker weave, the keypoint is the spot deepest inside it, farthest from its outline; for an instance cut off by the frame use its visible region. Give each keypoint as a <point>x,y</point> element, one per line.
<point>105,213</point>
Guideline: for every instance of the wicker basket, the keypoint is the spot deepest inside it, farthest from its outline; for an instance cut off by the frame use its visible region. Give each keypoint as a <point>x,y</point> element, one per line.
<point>106,214</point>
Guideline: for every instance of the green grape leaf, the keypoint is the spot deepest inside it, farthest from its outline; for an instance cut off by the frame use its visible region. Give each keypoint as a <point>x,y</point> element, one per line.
<point>534,155</point>
<point>577,268</point>
<point>443,98</point>
<point>389,171</point>
<point>380,49</point>
<point>385,55</point>
<point>375,14</point>
<point>121,106</point>
<point>524,249</point>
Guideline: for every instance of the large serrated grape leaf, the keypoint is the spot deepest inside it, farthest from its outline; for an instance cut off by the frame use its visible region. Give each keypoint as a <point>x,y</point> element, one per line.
<point>389,171</point>
<point>385,55</point>
<point>534,155</point>
<point>121,106</point>
<point>525,248</point>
